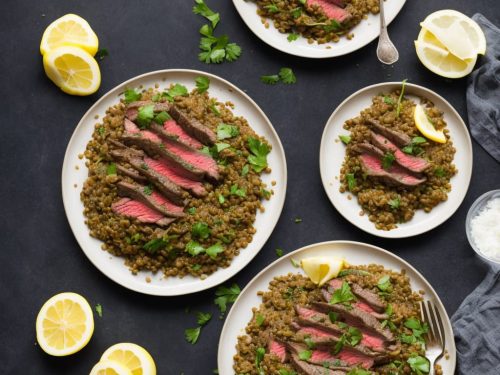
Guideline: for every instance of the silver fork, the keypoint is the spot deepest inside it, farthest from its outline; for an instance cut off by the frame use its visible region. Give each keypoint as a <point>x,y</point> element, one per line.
<point>436,339</point>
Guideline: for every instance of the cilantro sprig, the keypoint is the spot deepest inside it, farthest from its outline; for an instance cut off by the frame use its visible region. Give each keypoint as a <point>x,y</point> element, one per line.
<point>285,75</point>
<point>132,96</point>
<point>342,295</point>
<point>419,365</point>
<point>202,84</point>
<point>225,131</point>
<point>259,152</point>
<point>215,50</point>
<point>203,10</point>
<point>225,295</point>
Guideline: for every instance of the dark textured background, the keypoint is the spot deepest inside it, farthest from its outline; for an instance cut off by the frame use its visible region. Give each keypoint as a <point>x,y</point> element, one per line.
<point>38,252</point>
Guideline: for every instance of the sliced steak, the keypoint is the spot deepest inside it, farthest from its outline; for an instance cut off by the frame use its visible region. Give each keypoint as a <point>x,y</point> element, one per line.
<point>339,3</point>
<point>173,127</point>
<point>399,138</point>
<point>130,127</point>
<point>410,162</point>
<point>367,300</point>
<point>357,318</point>
<point>132,173</point>
<point>170,170</point>
<point>331,10</point>
<point>133,108</point>
<point>137,210</point>
<point>395,175</point>
<point>192,126</point>
<point>309,369</point>
<point>367,148</point>
<point>151,199</point>
<point>278,349</point>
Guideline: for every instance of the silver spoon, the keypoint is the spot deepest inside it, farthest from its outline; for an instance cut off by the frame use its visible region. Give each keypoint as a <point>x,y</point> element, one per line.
<point>386,51</point>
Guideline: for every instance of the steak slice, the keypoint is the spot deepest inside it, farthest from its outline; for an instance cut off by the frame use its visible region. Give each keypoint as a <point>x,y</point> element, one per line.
<point>368,300</point>
<point>310,369</point>
<point>357,318</point>
<point>395,175</point>
<point>133,108</point>
<point>410,162</point>
<point>137,210</point>
<point>171,171</point>
<point>278,349</point>
<point>173,127</point>
<point>331,10</point>
<point>367,148</point>
<point>151,199</point>
<point>132,173</point>
<point>399,138</point>
<point>192,126</point>
<point>339,3</point>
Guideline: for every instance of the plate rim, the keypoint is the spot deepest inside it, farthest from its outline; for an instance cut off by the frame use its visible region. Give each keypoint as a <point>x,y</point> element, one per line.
<point>371,247</point>
<point>374,231</point>
<point>332,51</point>
<point>202,284</point>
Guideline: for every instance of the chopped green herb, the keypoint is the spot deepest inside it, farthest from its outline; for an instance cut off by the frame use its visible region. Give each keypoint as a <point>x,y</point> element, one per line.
<point>221,199</point>
<point>271,79</point>
<point>279,252</point>
<point>339,344</point>
<point>259,356</point>
<point>305,355</point>
<point>202,84</point>
<point>287,76</point>
<point>297,220</point>
<point>226,295</point>
<point>394,203</point>
<point>310,343</point>
<point>413,148</point>
<point>419,364</point>
<point>196,267</point>
<point>98,310</point>
<point>388,100</point>
<point>203,318</point>
<point>342,295</point>
<point>345,139</point>
<point>358,371</point>
<point>384,283</point>
<point>259,319</point>
<point>235,190</point>
<point>283,371</point>
<point>295,263</point>
<point>417,328</point>
<point>351,181</point>
<point>203,10</point>
<point>136,237</point>
<point>101,130</point>
<point>145,115</point>
<point>176,90</point>
<point>266,193</point>
<point>213,250</point>
<point>398,108</point>
<point>354,336</point>
<point>272,8</point>
<point>333,316</point>
<point>111,169</point>
<point>225,131</point>
<point>191,210</point>
<point>148,190</point>
<point>194,248</point>
<point>296,13</point>
<point>154,245</point>
<point>292,37</point>
<point>192,335</point>
<point>200,230</point>
<point>221,146</point>
<point>213,108</point>
<point>388,160</point>
<point>440,172</point>
<point>245,170</point>
<point>161,117</point>
<point>259,150</point>
<point>132,96</point>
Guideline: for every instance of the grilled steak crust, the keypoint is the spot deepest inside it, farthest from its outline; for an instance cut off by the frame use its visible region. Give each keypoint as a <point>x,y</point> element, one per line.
<point>400,139</point>
<point>192,126</point>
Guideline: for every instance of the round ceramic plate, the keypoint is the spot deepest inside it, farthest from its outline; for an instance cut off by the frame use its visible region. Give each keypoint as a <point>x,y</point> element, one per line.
<point>355,253</point>
<point>73,179</point>
<point>332,154</point>
<point>366,31</point>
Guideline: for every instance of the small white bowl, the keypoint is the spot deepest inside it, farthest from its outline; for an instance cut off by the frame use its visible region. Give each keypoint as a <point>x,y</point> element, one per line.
<point>474,210</point>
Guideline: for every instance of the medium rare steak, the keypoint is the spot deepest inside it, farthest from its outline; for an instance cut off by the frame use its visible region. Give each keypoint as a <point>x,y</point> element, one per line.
<point>132,173</point>
<point>400,139</point>
<point>370,301</point>
<point>137,210</point>
<point>367,148</point>
<point>278,349</point>
<point>310,369</point>
<point>150,198</point>
<point>133,108</point>
<point>192,126</point>
<point>410,162</point>
<point>173,127</point>
<point>395,175</point>
<point>330,9</point>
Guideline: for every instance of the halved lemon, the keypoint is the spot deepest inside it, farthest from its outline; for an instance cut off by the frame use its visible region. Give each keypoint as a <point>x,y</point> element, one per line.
<point>322,269</point>
<point>132,356</point>
<point>460,34</point>
<point>64,324</point>
<point>69,30</point>
<point>110,368</point>
<point>73,70</point>
<point>442,62</point>
<point>425,126</point>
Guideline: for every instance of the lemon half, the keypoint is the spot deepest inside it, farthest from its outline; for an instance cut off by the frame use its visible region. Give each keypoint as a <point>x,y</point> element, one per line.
<point>110,368</point>
<point>64,324</point>
<point>132,356</point>
<point>425,126</point>
<point>69,30</point>
<point>322,268</point>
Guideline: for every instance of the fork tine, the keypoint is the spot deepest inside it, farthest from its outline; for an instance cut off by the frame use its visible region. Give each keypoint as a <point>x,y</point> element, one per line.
<point>430,332</point>
<point>441,327</point>
<point>436,332</point>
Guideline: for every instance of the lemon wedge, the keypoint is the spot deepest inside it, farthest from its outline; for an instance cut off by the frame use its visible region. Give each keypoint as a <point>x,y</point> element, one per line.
<point>322,269</point>
<point>460,34</point>
<point>425,126</point>
<point>110,368</point>
<point>73,70</point>
<point>132,356</point>
<point>69,30</point>
<point>64,324</point>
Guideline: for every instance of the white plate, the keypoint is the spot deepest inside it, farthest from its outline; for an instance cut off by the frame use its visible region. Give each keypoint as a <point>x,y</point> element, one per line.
<point>332,155</point>
<point>112,266</point>
<point>355,253</point>
<point>366,31</point>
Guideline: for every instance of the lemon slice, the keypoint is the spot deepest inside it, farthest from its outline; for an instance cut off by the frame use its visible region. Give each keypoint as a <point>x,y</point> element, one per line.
<point>442,62</point>
<point>73,70</point>
<point>132,356</point>
<point>460,34</point>
<point>64,324</point>
<point>322,269</point>
<point>425,126</point>
<point>109,368</point>
<point>70,30</point>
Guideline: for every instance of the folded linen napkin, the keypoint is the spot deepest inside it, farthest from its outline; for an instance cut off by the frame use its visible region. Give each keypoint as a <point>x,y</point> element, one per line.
<point>476,325</point>
<point>483,92</point>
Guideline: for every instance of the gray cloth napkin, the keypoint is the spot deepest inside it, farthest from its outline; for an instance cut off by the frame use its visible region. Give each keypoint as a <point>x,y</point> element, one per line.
<point>483,92</point>
<point>476,325</point>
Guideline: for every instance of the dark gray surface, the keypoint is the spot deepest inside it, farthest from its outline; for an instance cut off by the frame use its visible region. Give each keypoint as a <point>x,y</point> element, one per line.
<point>39,254</point>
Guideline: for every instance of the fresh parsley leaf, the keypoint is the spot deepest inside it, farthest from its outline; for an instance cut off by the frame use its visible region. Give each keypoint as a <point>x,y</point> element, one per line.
<point>292,37</point>
<point>333,316</point>
<point>398,108</point>
<point>351,181</point>
<point>221,198</point>
<point>419,364</point>
<point>259,356</point>
<point>202,84</point>
<point>342,295</point>
<point>192,335</point>
<point>233,52</point>
<point>418,140</point>
<point>203,318</point>
<point>101,130</point>
<point>98,310</point>
<point>305,355</point>
<point>215,49</point>
<point>296,12</point>
<point>358,371</point>
<point>155,244</point>
<point>235,190</point>
<point>111,169</point>
<point>279,252</point>
<point>354,336</point>
<point>176,90</point>
<point>161,117</point>
<point>345,139</point>
<point>191,210</point>
<point>339,345</point>
<point>332,26</point>
<point>213,108</point>
<point>417,328</point>
<point>225,131</point>
<point>148,190</point>
<point>259,150</point>
<point>389,309</point>
<point>213,250</point>
<point>200,230</point>
<point>259,319</point>
<point>196,267</point>
<point>245,170</point>
<point>309,342</point>
<point>287,76</point>
<point>218,147</point>
<point>145,115</point>
<point>384,283</point>
<point>272,8</point>
<point>413,148</point>
<point>283,371</point>
<point>394,203</point>
<point>270,80</point>
<point>203,10</point>
<point>387,160</point>
<point>132,96</point>
<point>225,295</point>
<point>295,263</point>
<point>101,54</point>
<point>194,248</point>
<point>388,100</point>
<point>440,172</point>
